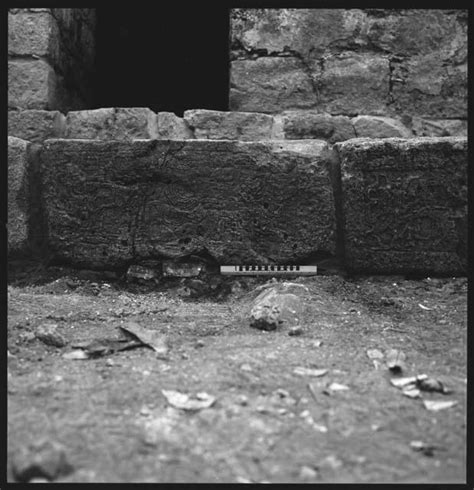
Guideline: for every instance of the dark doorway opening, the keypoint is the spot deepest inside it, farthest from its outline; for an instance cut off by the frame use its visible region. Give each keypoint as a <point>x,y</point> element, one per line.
<point>167,58</point>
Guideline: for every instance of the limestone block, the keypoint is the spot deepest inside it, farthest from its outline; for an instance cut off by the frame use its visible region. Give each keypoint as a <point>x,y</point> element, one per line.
<point>270,84</point>
<point>31,84</point>
<point>30,33</point>
<point>123,123</point>
<point>405,204</point>
<point>108,202</point>
<point>36,125</point>
<point>243,126</point>
<point>353,83</point>
<point>18,194</point>
<point>170,126</point>
<point>311,124</point>
<point>380,127</point>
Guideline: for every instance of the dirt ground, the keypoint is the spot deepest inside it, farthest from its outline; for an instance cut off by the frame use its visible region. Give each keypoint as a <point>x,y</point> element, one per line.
<point>268,423</point>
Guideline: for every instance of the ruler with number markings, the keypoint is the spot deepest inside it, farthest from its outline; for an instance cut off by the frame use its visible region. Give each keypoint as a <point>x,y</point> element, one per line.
<point>269,270</point>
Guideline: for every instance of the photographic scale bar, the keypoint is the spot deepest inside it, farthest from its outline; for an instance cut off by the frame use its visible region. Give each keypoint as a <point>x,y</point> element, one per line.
<point>269,270</point>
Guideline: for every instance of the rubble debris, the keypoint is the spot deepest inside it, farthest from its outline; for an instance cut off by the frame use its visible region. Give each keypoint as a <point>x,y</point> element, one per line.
<point>188,269</point>
<point>337,387</point>
<point>317,343</point>
<point>308,473</point>
<point>105,346</point>
<point>153,339</point>
<point>431,384</point>
<point>423,307</point>
<point>303,371</point>
<point>423,447</point>
<point>436,405</point>
<point>410,380</point>
<point>41,459</point>
<point>395,360</point>
<point>76,355</point>
<point>48,334</point>
<point>140,274</point>
<point>295,331</point>
<point>374,354</point>
<point>187,402</point>
<point>411,392</point>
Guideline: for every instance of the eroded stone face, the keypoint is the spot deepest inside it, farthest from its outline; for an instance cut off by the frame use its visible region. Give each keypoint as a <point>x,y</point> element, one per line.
<point>405,204</point>
<point>241,202</point>
<point>36,125</point>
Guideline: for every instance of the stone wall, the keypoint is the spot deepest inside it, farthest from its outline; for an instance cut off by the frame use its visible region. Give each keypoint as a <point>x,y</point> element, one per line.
<point>50,58</point>
<point>408,64</point>
<point>127,123</point>
<point>387,205</point>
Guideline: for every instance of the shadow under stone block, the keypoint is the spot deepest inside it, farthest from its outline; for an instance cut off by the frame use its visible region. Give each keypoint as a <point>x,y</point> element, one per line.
<point>405,205</point>
<point>110,202</point>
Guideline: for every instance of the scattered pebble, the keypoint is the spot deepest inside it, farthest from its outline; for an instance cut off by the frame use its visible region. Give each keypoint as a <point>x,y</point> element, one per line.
<point>395,360</point>
<point>337,387</point>
<point>47,333</point>
<point>295,331</point>
<point>187,402</point>
<point>246,367</point>
<point>426,449</point>
<point>199,343</point>
<point>109,362</point>
<point>332,462</point>
<point>76,355</point>
<point>303,371</point>
<point>317,343</point>
<point>243,400</point>
<point>307,473</point>
<point>436,405</point>
<point>374,354</point>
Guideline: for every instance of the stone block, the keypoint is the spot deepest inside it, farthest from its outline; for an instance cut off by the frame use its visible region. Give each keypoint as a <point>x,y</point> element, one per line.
<point>310,124</point>
<point>405,205</point>
<point>243,126</point>
<point>424,86</point>
<point>172,127</point>
<point>31,84</point>
<point>108,202</point>
<point>18,195</point>
<point>270,84</point>
<point>380,127</point>
<point>30,33</point>
<point>352,84</point>
<point>123,123</point>
<point>439,127</point>
<point>36,125</point>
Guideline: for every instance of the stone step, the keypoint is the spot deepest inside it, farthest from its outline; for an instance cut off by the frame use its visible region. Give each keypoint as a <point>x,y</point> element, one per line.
<point>109,203</point>
<point>383,206</point>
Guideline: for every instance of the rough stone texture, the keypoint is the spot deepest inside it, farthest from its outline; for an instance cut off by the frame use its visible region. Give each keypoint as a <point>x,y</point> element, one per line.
<point>108,203</point>
<point>30,33</point>
<point>36,125</point>
<point>439,127</point>
<point>310,124</point>
<point>124,123</point>
<point>170,126</point>
<point>372,61</point>
<point>353,83</point>
<point>281,305</point>
<point>31,84</point>
<point>244,126</point>
<point>51,58</point>
<point>18,194</point>
<point>270,84</point>
<point>405,204</point>
<point>380,127</point>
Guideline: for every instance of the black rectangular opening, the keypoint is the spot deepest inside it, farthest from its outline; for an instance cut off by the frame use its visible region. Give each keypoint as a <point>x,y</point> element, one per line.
<point>169,58</point>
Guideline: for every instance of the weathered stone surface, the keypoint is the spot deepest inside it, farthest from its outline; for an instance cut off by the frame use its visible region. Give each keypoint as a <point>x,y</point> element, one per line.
<point>31,84</point>
<point>123,123</point>
<point>241,202</point>
<point>270,84</point>
<point>48,333</point>
<point>426,87</point>
<point>352,83</point>
<point>244,126</point>
<point>171,126</point>
<point>281,305</point>
<point>405,204</point>
<point>439,127</point>
<point>29,33</point>
<point>310,124</point>
<point>372,61</point>
<point>36,125</point>
<point>18,194</point>
<point>380,127</point>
